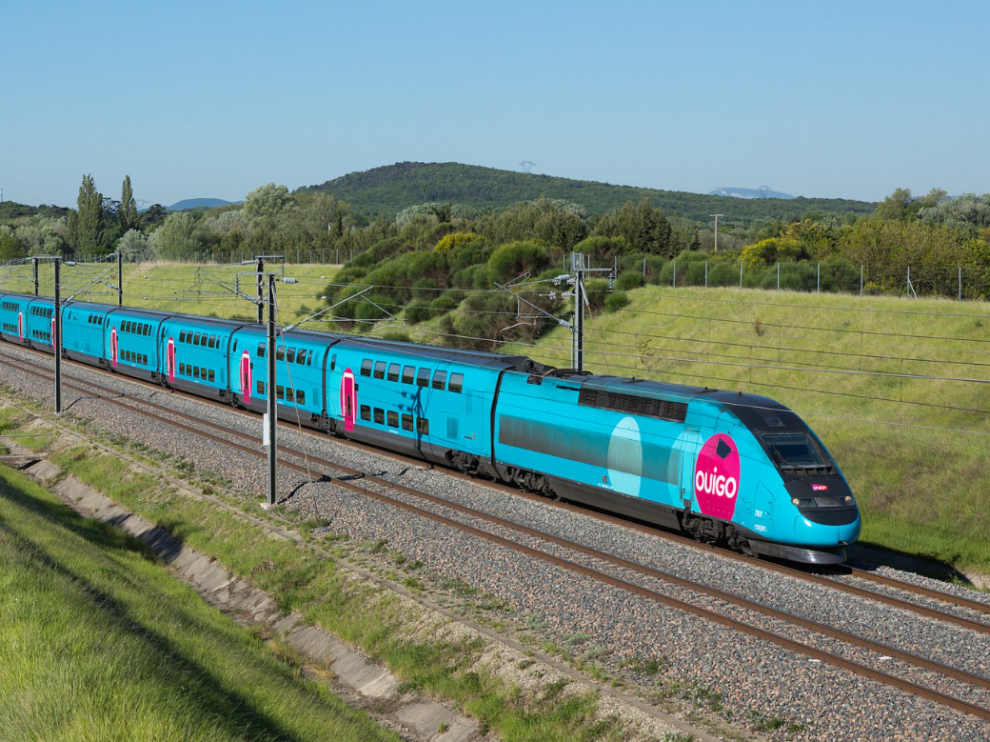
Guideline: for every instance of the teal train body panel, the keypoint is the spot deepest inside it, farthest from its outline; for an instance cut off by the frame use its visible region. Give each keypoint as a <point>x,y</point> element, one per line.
<point>724,466</point>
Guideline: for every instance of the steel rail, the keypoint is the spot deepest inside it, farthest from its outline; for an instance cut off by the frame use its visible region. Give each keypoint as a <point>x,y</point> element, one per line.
<point>734,624</point>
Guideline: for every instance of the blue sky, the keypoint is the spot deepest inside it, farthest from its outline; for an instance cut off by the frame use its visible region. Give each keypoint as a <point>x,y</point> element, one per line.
<point>212,99</point>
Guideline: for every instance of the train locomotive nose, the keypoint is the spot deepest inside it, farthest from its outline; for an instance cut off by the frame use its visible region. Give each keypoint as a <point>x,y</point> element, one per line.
<point>827,511</point>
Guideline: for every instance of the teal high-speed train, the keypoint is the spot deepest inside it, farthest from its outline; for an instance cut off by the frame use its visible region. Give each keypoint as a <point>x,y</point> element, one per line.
<point>723,466</point>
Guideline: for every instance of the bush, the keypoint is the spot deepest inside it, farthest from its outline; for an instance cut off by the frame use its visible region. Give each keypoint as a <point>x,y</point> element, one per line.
<point>515,258</point>
<point>425,289</point>
<point>596,290</point>
<point>616,301</point>
<point>443,304</point>
<point>629,280</point>
<point>418,311</point>
<point>396,336</point>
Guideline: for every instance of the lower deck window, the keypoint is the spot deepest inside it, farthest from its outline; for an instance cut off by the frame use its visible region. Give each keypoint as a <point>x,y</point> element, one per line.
<point>393,419</point>
<point>422,426</point>
<point>379,416</point>
<point>260,387</point>
<point>407,422</point>
<point>365,412</point>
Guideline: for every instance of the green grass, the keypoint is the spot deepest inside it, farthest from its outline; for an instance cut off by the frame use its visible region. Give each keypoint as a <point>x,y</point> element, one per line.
<point>189,288</point>
<point>921,491</point>
<point>303,580</point>
<point>99,643</point>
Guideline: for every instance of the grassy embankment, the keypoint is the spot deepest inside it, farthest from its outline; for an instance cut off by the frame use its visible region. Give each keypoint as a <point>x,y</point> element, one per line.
<point>188,288</point>
<point>922,491</point>
<point>304,580</point>
<point>97,642</point>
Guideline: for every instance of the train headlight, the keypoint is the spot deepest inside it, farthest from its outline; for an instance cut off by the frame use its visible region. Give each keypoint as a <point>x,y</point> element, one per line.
<point>849,499</point>
<point>796,501</point>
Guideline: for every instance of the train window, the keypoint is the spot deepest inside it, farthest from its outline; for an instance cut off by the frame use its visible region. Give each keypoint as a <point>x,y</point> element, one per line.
<point>408,372</point>
<point>213,376</point>
<point>260,387</point>
<point>280,353</point>
<point>365,412</point>
<point>182,336</point>
<point>333,362</point>
<point>366,367</point>
<point>309,359</point>
<point>422,426</point>
<point>182,368</point>
<point>300,396</point>
<point>279,391</point>
<point>234,349</point>
<point>393,419</point>
<point>393,372</point>
<point>380,370</point>
<point>196,338</point>
<point>290,355</point>
<point>214,341</point>
<point>423,379</point>
<point>407,422</point>
<point>456,383</point>
<point>439,379</point>
<point>195,372</point>
<point>794,450</point>
<point>379,416</point>
<point>261,350</point>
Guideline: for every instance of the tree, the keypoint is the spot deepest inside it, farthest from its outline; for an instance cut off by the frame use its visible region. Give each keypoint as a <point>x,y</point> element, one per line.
<point>269,202</point>
<point>176,238</point>
<point>899,205</point>
<point>86,223</point>
<point>154,214</point>
<point>128,213</point>
<point>11,248</point>
<point>645,228</point>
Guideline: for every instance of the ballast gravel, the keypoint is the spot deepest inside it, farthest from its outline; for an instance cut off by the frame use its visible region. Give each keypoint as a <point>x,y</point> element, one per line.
<point>756,682</point>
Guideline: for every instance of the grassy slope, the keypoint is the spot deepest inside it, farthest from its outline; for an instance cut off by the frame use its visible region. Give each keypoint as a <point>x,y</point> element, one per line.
<point>921,491</point>
<point>187,288</point>
<point>97,643</point>
<point>387,190</point>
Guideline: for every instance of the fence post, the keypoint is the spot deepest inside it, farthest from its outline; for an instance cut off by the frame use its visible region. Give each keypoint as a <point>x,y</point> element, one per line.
<point>860,281</point>
<point>644,270</point>
<point>960,283</point>
<point>706,274</point>
<point>819,278</point>
<point>778,275</point>
<point>673,284</point>
<point>740,272</point>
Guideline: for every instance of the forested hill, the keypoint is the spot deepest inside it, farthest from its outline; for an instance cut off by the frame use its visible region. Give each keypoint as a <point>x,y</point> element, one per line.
<point>390,189</point>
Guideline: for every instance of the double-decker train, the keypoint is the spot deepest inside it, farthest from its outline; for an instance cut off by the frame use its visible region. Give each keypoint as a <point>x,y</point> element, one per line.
<point>723,466</point>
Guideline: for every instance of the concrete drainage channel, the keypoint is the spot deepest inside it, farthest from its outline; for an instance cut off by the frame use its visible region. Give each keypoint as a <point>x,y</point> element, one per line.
<point>356,680</point>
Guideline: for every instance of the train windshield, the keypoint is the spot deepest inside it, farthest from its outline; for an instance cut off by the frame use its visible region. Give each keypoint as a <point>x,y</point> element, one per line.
<point>795,450</point>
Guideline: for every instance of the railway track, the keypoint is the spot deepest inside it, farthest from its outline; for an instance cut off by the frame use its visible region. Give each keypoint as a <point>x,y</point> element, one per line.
<point>355,481</point>
<point>979,620</point>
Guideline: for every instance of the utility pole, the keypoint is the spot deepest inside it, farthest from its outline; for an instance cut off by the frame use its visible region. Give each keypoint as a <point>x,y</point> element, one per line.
<point>57,332</point>
<point>577,337</point>
<point>271,419</point>
<point>120,278</point>
<point>716,229</point>
<point>261,292</point>
<point>35,261</point>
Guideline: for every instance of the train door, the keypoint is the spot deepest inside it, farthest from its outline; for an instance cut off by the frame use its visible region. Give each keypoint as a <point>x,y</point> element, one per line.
<point>245,377</point>
<point>348,400</point>
<point>687,445</point>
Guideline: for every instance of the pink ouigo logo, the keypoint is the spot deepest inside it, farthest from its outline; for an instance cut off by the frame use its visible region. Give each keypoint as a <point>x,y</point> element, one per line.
<point>716,477</point>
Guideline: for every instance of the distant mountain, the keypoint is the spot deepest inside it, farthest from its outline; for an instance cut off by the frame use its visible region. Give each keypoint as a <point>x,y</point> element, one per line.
<point>748,193</point>
<point>195,203</point>
<point>390,189</point>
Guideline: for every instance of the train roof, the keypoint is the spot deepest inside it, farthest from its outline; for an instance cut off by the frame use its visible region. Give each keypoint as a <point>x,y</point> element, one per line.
<point>523,364</point>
